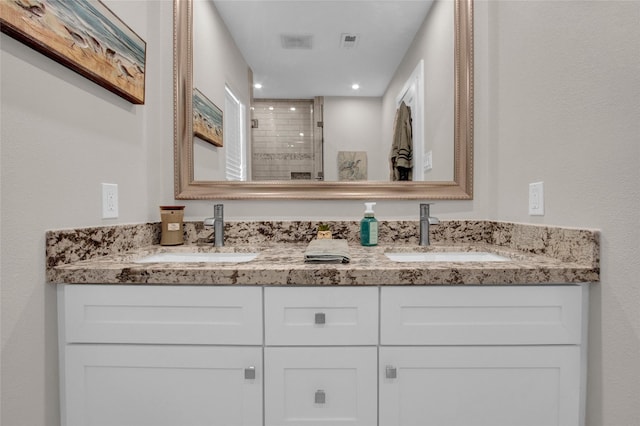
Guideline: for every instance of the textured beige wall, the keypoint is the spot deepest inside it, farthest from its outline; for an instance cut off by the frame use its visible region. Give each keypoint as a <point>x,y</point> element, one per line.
<point>61,137</point>
<point>564,109</point>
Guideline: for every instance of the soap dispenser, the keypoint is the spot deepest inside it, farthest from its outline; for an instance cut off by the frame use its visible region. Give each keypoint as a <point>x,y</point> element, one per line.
<point>369,227</point>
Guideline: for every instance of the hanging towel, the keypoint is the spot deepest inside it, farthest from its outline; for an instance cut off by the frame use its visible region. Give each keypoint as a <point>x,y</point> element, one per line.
<point>401,157</point>
<point>327,251</point>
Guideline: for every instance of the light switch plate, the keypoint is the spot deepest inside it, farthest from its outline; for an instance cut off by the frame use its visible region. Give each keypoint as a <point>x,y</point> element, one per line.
<point>536,199</point>
<point>428,160</point>
<point>109,200</point>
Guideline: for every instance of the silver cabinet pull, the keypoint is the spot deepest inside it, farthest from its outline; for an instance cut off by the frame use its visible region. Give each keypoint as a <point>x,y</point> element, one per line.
<point>391,372</point>
<point>250,373</point>
<point>320,397</point>
<point>320,318</point>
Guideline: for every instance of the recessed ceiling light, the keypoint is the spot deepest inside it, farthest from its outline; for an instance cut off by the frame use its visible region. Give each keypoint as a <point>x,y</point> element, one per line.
<point>355,86</point>
<point>292,108</point>
<point>257,86</point>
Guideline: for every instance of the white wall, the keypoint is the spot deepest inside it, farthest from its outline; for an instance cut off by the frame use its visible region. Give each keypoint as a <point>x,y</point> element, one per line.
<point>219,63</point>
<point>354,124</point>
<point>61,136</point>
<point>434,44</point>
<point>565,109</point>
<point>560,78</point>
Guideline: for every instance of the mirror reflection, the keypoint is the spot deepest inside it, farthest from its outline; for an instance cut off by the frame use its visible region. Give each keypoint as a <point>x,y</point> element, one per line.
<point>306,120</point>
<point>353,132</point>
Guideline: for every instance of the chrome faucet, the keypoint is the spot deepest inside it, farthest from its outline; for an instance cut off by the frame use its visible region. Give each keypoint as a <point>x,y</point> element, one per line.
<point>217,221</point>
<point>425,221</point>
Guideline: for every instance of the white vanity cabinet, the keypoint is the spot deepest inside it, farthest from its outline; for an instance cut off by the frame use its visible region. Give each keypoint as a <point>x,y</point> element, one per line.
<point>321,356</point>
<point>481,356</point>
<point>156,356</point>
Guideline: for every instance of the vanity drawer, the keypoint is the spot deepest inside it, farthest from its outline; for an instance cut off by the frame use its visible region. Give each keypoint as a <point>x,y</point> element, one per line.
<point>160,315</point>
<point>481,315</point>
<point>304,316</point>
<point>321,386</point>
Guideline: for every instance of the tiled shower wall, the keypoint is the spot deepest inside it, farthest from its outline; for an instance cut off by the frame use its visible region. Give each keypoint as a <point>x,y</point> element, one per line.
<point>282,142</point>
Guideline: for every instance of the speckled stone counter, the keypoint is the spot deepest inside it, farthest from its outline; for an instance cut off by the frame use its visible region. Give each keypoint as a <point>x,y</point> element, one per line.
<point>538,255</point>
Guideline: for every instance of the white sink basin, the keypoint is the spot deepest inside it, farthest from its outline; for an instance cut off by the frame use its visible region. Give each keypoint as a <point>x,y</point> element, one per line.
<point>447,256</point>
<point>198,257</point>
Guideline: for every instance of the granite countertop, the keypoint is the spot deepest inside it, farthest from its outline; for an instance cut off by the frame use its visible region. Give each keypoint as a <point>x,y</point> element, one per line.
<point>568,260</point>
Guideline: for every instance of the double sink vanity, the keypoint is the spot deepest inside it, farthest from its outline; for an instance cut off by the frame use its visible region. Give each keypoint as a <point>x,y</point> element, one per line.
<point>486,326</point>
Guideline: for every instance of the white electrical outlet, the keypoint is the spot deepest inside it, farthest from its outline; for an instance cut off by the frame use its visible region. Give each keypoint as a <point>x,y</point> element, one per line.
<point>536,199</point>
<point>109,200</point>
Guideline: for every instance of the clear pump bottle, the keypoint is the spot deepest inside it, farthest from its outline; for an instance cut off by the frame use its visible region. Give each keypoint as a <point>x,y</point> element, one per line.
<point>369,227</point>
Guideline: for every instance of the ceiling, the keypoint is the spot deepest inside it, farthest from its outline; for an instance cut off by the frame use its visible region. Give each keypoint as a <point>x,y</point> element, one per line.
<point>384,31</point>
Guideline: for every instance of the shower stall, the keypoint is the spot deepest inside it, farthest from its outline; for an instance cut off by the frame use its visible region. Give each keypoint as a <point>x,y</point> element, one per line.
<point>286,139</point>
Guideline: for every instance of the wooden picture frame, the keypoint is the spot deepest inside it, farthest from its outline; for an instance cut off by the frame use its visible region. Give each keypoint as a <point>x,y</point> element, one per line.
<point>207,119</point>
<point>85,36</point>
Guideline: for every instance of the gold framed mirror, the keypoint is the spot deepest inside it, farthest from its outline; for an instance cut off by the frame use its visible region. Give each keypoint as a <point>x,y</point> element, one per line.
<point>460,188</point>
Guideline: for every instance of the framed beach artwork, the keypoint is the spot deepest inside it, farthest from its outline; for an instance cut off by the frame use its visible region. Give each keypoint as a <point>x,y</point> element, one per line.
<point>352,165</point>
<point>207,119</point>
<point>83,35</point>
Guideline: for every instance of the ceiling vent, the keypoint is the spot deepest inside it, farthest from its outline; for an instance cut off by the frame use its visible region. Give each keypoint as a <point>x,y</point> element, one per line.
<point>296,41</point>
<point>348,40</point>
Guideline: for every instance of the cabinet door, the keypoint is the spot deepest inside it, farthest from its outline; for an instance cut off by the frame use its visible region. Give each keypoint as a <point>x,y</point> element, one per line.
<point>129,385</point>
<point>321,386</point>
<point>479,386</point>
